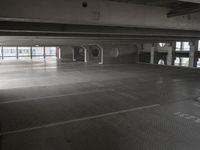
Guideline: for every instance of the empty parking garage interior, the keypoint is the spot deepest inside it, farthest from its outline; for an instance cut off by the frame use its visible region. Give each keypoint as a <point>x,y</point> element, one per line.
<point>100,75</point>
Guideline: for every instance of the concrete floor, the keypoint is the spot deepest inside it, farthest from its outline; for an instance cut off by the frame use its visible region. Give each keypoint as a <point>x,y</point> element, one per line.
<point>45,106</point>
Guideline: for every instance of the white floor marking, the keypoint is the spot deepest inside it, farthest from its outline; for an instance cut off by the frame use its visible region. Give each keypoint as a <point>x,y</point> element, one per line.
<point>77,120</point>
<point>186,116</point>
<point>56,96</point>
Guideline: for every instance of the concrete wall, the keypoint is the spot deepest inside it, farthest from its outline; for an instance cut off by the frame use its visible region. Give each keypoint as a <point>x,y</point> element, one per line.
<point>146,47</point>
<point>166,48</point>
<point>99,12</point>
<point>66,53</point>
<point>120,53</point>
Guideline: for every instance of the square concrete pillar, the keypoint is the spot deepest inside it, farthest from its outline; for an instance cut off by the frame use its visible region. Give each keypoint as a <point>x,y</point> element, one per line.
<point>66,53</point>
<point>154,52</point>
<point>193,53</point>
<point>171,54</point>
<point>86,53</point>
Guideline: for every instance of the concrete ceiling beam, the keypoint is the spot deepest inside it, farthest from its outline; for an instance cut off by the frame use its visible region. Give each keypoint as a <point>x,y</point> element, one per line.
<point>190,1</point>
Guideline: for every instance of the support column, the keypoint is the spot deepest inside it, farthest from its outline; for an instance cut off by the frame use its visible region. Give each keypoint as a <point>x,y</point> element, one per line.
<point>86,53</point>
<point>58,53</point>
<point>2,56</point>
<point>17,53</point>
<point>101,55</point>
<point>66,53</point>
<point>31,52</point>
<point>73,57</point>
<point>171,54</point>
<point>44,52</point>
<point>180,61</point>
<point>154,53</point>
<point>193,56</point>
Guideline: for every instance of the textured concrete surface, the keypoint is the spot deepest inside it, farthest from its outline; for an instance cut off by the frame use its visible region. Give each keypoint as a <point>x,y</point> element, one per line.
<point>74,106</point>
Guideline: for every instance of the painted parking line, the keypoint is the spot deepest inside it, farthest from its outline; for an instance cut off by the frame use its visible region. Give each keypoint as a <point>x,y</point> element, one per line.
<point>186,116</point>
<point>78,120</point>
<point>56,96</point>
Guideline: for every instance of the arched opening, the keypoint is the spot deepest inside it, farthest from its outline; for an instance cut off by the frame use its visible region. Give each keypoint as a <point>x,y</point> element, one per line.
<point>177,61</point>
<point>95,52</point>
<point>198,63</point>
<point>79,54</point>
<point>162,44</point>
<point>161,62</point>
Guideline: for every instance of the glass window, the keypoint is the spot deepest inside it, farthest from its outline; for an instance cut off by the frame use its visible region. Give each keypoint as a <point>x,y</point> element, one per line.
<point>178,46</point>
<point>185,61</point>
<point>10,51</point>
<point>186,46</point>
<point>37,51</point>
<point>182,61</point>
<point>50,51</point>
<point>24,51</point>
<point>182,46</point>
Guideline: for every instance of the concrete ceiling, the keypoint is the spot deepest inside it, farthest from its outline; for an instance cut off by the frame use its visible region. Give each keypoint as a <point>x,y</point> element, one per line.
<point>150,2</point>
<point>177,7</point>
<point>192,1</point>
<point>104,33</point>
<point>163,3</point>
